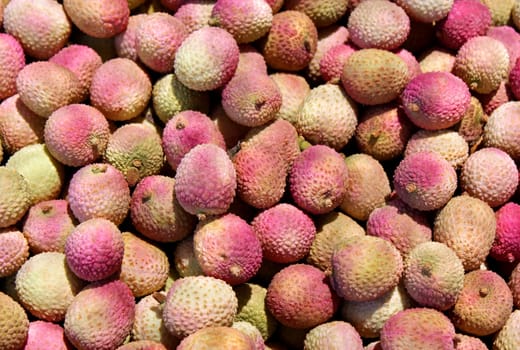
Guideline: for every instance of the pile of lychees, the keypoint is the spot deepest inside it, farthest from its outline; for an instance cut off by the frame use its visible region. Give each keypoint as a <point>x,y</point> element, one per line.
<point>259,174</point>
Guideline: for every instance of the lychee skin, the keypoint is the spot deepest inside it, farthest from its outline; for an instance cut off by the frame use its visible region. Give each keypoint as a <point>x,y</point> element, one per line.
<point>94,249</point>
<point>425,180</point>
<point>435,100</point>
<point>299,296</point>
<point>466,19</point>
<point>76,134</point>
<point>107,320</point>
<point>227,248</point>
<point>47,226</point>
<point>41,26</point>
<point>205,181</point>
<point>491,175</point>
<point>286,233</point>
<point>291,42</point>
<point>317,179</point>
<point>99,190</point>
<point>11,62</point>
<point>82,60</point>
<point>98,18</point>
<point>201,65</point>
<point>46,335</point>
<point>506,246</point>
<point>156,213</point>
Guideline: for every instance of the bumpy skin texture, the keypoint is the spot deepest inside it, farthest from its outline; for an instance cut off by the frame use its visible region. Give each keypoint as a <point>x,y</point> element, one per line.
<point>247,21</point>
<point>286,233</point>
<point>294,89</point>
<point>383,131</point>
<point>500,11</point>
<point>94,249</point>
<point>482,62</point>
<point>378,24</point>
<point>496,98</point>
<point>198,302</point>
<point>156,213</point>
<point>466,342</point>
<point>466,225</point>
<point>206,59</point>
<point>157,39</point>
<point>41,26</point>
<point>46,335</point>
<point>506,246</point>
<point>186,130</point>
<point>433,275</point>
<point>250,59</point>
<point>120,89</point>
<point>125,42</point>
<point>425,180</point>
<point>252,332</point>
<point>318,179</point>
<point>514,285</point>
<point>448,143</point>
<point>98,18</point>
<point>142,345</point>
<point>435,100</point>
<point>14,251</point>
<point>374,76</point>
<point>508,36</point>
<point>484,303</point>
<point>135,150</point>
<point>107,320</point>
<point>144,267</point>
<point>82,60</point>
<point>252,308</point>
<point>508,338</point>
<point>332,62</point>
<point>215,337</point>
<point>514,79</point>
<point>472,123</point>
<point>148,324</point>
<point>436,59</point>
<point>503,129</point>
<point>251,99</point>
<point>19,126</point>
<point>465,20</point>
<point>365,269</point>
<point>299,296</point>
<point>368,317</point>
<point>426,11</point>
<point>45,86</point>
<point>328,37</point>
<point>322,13</point>
<point>15,198</point>
<point>14,324</point>
<point>400,224</point>
<point>205,181</point>
<point>169,97</point>
<point>332,231</point>
<point>43,173</point>
<point>47,226</point>
<point>330,334</point>
<point>291,42</point>
<point>327,116</point>
<point>195,14</point>
<point>494,187</point>
<point>185,262</point>
<point>368,186</point>
<point>76,134</point>
<point>11,62</point>
<point>99,190</point>
<point>227,248</point>
<point>46,286</point>
<point>417,328</point>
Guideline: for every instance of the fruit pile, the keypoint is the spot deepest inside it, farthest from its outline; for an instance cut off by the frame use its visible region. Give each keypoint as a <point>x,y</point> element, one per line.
<point>259,174</point>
